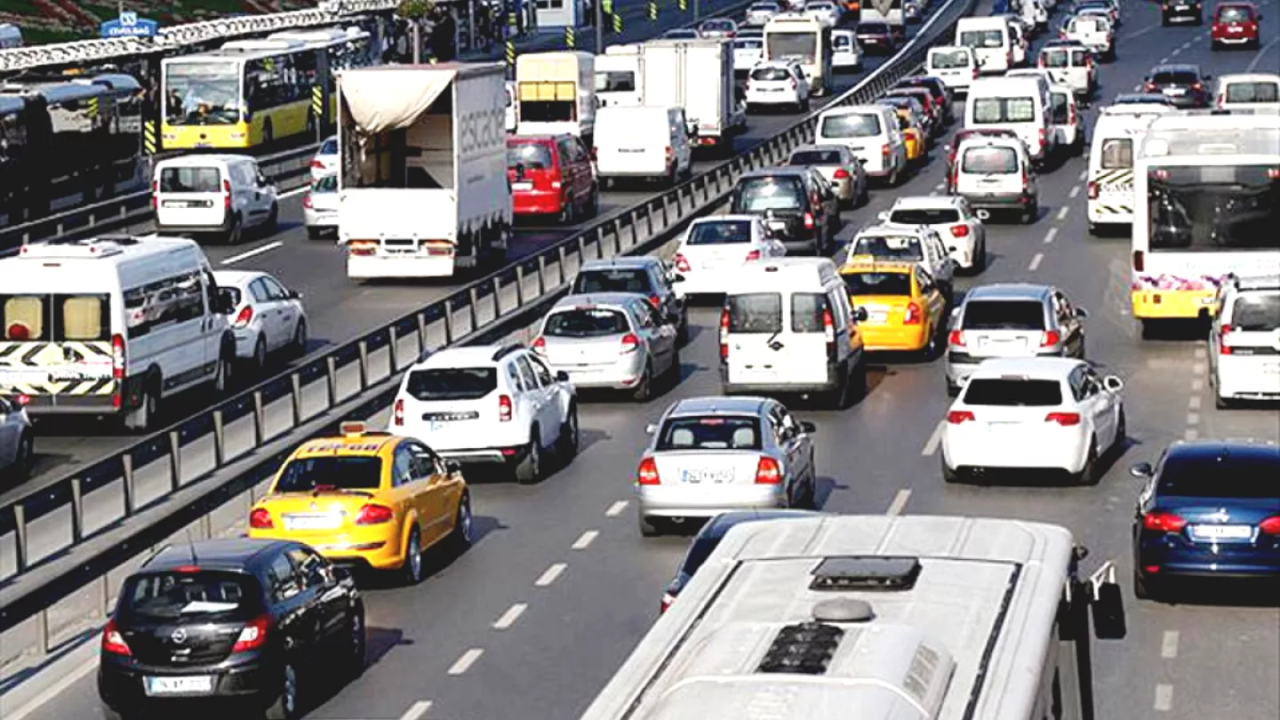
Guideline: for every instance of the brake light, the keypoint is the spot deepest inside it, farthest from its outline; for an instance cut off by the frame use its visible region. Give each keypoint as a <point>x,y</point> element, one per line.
<point>959,231</point>
<point>112,641</point>
<point>1041,137</point>
<point>682,263</point>
<point>629,344</point>
<point>374,514</point>
<point>885,151</point>
<point>306,201</point>
<point>504,408</point>
<point>829,331</point>
<point>1197,87</point>
<point>539,345</point>
<point>1139,261</point>
<point>1223,347</point>
<point>667,599</point>
<point>1064,419</point>
<point>253,636</point>
<point>669,153</point>
<point>1222,100</point>
<point>117,357</point>
<point>1071,114</point>
<point>956,337</point>
<point>840,174</point>
<point>397,412</point>
<point>808,221</point>
<point>655,301</point>
<point>724,334</point>
<point>912,315</point>
<point>1162,521</point>
<point>1093,190</point>
<point>260,519</point>
<point>155,195</point>
<point>768,472</point>
<point>1270,526</point>
<point>955,417</point>
<point>753,255</point>
<point>647,474</point>
<point>975,73</point>
<point>244,318</point>
<point>226,193</point>
<point>1049,338</point>
<point>1149,86</point>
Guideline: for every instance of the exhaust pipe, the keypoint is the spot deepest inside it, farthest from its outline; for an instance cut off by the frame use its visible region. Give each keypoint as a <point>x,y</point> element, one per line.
<point>984,215</point>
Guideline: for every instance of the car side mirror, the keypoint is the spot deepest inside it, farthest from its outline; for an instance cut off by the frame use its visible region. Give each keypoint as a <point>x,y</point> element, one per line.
<point>1208,77</point>
<point>452,466</point>
<point>1142,470</point>
<point>1082,313</point>
<point>341,573</point>
<point>562,376</point>
<point>883,215</point>
<point>955,315</point>
<point>1113,383</point>
<point>808,428</point>
<point>861,314</point>
<point>293,294</point>
<point>650,429</point>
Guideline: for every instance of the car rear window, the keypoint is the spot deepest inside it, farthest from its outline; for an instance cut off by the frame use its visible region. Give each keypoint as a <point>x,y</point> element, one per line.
<point>452,383</point>
<point>1117,154</point>
<point>586,322</point>
<point>55,318</point>
<point>1055,58</point>
<point>615,81</point>
<point>1234,14</point>
<point>330,147</point>
<point>770,74</point>
<point>841,41</point>
<point>717,432</point>
<point>925,216</point>
<point>1003,315</point>
<point>850,125</point>
<point>748,44</point>
<point>1006,392</point>
<point>949,59</point>
<point>1088,25</point>
<point>895,284</point>
<point>1250,476</point>
<point>755,313</point>
<point>762,194</point>
<point>982,38</point>
<point>331,472</point>
<point>326,184</point>
<point>532,155</point>
<point>1174,77</point>
<point>191,180</point>
<point>806,312</point>
<point>890,247</point>
<point>723,232</point>
<point>815,157</point>
<point>1079,57</point>
<point>990,161</point>
<point>611,280</point>
<point>204,595</point>
<point>1003,110</point>
<point>1253,92</point>
<point>1258,312</point>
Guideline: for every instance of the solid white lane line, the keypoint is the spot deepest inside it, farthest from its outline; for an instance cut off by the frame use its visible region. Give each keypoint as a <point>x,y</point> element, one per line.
<point>899,502</point>
<point>585,539</point>
<point>54,690</point>
<point>1191,434</point>
<point>550,575</point>
<point>510,617</point>
<point>253,253</point>
<point>1049,236</point>
<point>1075,192</point>
<point>465,662</point>
<point>417,711</point>
<point>616,509</point>
<point>1194,402</point>
<point>940,186</point>
<point>935,439</point>
<point>1062,213</point>
<point>1193,418</point>
<point>1164,695</point>
<point>1169,645</point>
<point>1035,262</point>
<point>935,193</point>
<point>293,192</point>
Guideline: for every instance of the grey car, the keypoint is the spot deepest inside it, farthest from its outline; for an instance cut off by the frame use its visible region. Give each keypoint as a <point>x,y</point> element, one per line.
<point>643,274</point>
<point>1011,320</point>
<point>713,454</point>
<point>320,207</point>
<point>839,166</point>
<point>17,443</point>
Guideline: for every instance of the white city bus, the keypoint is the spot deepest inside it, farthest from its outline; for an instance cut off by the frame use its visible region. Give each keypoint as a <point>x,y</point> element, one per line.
<point>840,616</point>
<point>1207,203</point>
<point>801,39</point>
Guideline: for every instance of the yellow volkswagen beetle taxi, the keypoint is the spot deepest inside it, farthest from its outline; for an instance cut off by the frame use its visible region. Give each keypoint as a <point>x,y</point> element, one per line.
<point>367,498</point>
<point>905,309</point>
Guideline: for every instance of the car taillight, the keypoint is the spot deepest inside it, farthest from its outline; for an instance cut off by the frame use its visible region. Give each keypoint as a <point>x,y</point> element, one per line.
<point>647,473</point>
<point>1197,87</point>
<point>118,357</point>
<point>667,599</point>
<point>253,636</point>
<point>1149,87</point>
<point>1222,100</point>
<point>886,151</point>
<point>975,73</point>
<point>1040,62</point>
<point>397,412</point>
<point>317,165</point>
<point>244,317</point>
<point>306,201</point>
<point>1093,190</point>
<point>504,408</point>
<point>112,641</point>
<point>374,514</point>
<point>768,472</point>
<point>1066,419</point>
<point>155,195</point>
<point>913,315</point>
<point>959,231</point>
<point>669,153</point>
<point>840,174</point>
<point>829,331</point>
<point>956,337</point>
<point>753,255</point>
<point>1041,137</point>
<point>630,343</point>
<point>539,345</point>
<point>955,417</point>
<point>595,153</point>
<point>1139,261</point>
<point>1270,526</point>
<point>260,519</point>
<point>682,263</point>
<point>1071,114</point>
<point>808,221</point>
<point>1223,347</point>
<point>226,194</point>
<point>724,334</point>
<point>1162,521</point>
<point>656,302</point>
<point>1049,338</point>
<point>794,85</point>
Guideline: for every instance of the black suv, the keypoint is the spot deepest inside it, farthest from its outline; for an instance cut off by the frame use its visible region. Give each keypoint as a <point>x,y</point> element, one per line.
<point>1184,84</point>
<point>797,206</point>
<point>238,621</point>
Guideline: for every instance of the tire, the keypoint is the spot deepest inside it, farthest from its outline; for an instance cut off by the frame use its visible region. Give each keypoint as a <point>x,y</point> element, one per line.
<point>931,348</point>
<point>314,233</point>
<point>894,177</point>
<point>259,359</point>
<point>838,399</point>
<point>568,213</point>
<point>1030,215</point>
<point>568,442</point>
<point>142,419</point>
<point>858,384</point>
<point>222,373</point>
<point>1088,474</point>
<point>593,205</point>
<point>358,643</point>
<point>529,469</point>
<point>644,388</point>
<point>1150,329</point>
<point>1145,588</point>
<point>463,526</point>
<point>1220,402</point>
<point>272,225</point>
<point>21,468</point>
<point>236,233</point>
<point>1122,432</point>
<point>949,476</point>
<point>648,528</point>
<point>411,570</point>
<point>299,343</point>
<point>682,336</point>
<point>952,389</point>
<point>1093,229</point>
<point>286,706</point>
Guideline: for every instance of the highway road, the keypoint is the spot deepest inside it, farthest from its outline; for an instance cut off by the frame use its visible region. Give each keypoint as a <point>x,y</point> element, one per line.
<point>339,309</point>
<point>533,620</point>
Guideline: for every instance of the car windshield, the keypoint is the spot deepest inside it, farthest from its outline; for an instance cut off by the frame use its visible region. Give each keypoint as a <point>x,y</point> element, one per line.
<point>755,313</point>
<point>715,432</point>
<point>949,59</point>
<point>627,280</point>
<point>895,284</point>
<point>452,383</point>
<point>1256,312</point>
<point>586,322</point>
<point>816,157</point>
<point>756,195</point>
<point>990,161</point>
<point>982,38</point>
<point>925,216</point>
<point>719,232</point>
<point>191,180</point>
<point>1247,475</point>
<point>992,110</point>
<point>530,155</point>
<point>199,595</point>
<point>849,125</point>
<point>1234,14</point>
<point>776,74</point>
<point>334,472</point>
<point>1006,392</point>
<point>1175,77</point>
<point>1003,315</point>
<point>615,81</point>
<point>1213,208</point>
<point>1253,92</point>
<point>890,247</point>
<point>717,25</point>
<point>203,93</point>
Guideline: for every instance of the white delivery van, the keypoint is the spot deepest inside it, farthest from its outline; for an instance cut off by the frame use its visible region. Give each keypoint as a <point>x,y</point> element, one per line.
<point>110,326</point>
<point>872,133</point>
<point>1021,104</point>
<point>787,327</point>
<point>642,142</point>
<point>696,75</point>
<point>1070,64</point>
<point>955,65</point>
<point>619,74</point>
<point>556,93</point>
<point>1116,136</point>
<point>213,195</point>
<point>1248,91</point>
<point>991,39</point>
<point>995,175</point>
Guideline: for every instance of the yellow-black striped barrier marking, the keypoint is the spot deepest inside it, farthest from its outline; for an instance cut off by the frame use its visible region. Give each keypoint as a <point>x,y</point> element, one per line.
<point>568,37</point>
<point>617,24</point>
<point>317,101</point>
<point>653,10</point>
<point>149,137</point>
<point>511,52</point>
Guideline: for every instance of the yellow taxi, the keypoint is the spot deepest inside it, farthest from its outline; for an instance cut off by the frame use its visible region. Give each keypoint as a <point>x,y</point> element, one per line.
<point>912,133</point>
<point>905,309</point>
<point>367,498</point>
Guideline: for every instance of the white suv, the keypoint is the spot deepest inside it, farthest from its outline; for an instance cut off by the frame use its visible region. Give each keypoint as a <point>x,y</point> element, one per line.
<point>1244,341</point>
<point>963,234</point>
<point>489,404</point>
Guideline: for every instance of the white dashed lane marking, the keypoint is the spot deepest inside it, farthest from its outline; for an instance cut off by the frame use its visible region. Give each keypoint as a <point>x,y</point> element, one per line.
<point>616,509</point>
<point>1075,192</point>
<point>1035,262</point>
<point>585,539</point>
<point>899,502</point>
<point>550,575</point>
<point>1062,213</point>
<point>1169,645</point>
<point>510,617</point>
<point>1194,402</point>
<point>465,662</point>
<point>1049,236</point>
<point>417,711</point>
<point>931,446</point>
<point>1164,698</point>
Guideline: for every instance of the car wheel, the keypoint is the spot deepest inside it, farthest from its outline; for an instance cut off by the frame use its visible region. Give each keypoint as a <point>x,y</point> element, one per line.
<point>1144,588</point>
<point>530,467</point>
<point>1220,402</point>
<point>644,388</point>
<point>141,419</point>
<point>1122,432</point>
<point>463,526</point>
<point>1093,229</point>
<point>299,342</point>
<point>222,374</point>
<point>682,338</point>
<point>1030,214</point>
<point>357,642</point>
<point>273,221</point>
<point>893,176</point>
<point>411,570</point>
<point>1088,474</point>
<point>259,359</point>
<point>931,346</point>
<point>568,211</point>
<point>593,205</point>
<point>648,527</point>
<point>286,705</point>
<point>838,399</point>
<point>569,436</point>
<point>25,458</point>
<point>236,231</point>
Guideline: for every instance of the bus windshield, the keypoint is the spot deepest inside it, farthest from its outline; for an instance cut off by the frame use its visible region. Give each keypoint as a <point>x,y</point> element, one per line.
<point>798,46</point>
<point>1214,208</point>
<point>202,93</point>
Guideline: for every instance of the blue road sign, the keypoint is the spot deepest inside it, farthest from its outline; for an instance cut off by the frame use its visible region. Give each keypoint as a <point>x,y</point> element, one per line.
<point>129,25</point>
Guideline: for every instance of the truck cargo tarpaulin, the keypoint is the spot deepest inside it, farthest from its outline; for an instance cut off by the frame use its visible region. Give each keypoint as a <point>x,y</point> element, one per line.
<point>381,102</point>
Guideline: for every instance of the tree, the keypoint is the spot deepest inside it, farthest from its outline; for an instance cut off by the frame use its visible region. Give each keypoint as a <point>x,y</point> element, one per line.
<point>415,9</point>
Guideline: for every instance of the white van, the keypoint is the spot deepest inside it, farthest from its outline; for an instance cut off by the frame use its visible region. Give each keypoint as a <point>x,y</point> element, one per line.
<point>642,142</point>
<point>995,175</point>
<point>1248,91</point>
<point>991,39</point>
<point>110,326</point>
<point>1021,104</point>
<point>787,327</point>
<point>872,133</point>
<point>955,65</point>
<point>1116,136</point>
<point>1070,63</point>
<point>219,195</point>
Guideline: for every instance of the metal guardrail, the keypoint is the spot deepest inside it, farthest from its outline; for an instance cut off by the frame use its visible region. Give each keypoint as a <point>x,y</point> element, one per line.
<point>239,433</point>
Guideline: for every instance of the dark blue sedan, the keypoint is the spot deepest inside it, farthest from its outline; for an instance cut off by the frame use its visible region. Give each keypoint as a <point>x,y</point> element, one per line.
<point>1209,509</point>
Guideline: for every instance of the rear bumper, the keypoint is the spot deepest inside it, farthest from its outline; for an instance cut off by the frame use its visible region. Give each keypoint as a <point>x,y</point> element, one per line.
<point>363,267</point>
<point>379,550</point>
<point>537,202</point>
<point>960,365</point>
<point>212,229</point>
<point>1246,378</point>
<point>894,337</point>
<point>1173,558</point>
<point>1171,304</point>
<point>834,372</point>
<point>974,449</point>
<point>679,500</point>
<point>320,218</point>
<point>121,683</point>
<point>997,201</point>
<point>622,375</point>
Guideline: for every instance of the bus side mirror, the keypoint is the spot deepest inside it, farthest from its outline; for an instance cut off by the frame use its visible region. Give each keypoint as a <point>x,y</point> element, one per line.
<point>1108,604</point>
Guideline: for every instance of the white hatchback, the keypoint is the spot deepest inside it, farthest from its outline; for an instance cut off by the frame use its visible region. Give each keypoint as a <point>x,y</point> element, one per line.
<point>1034,413</point>
<point>777,83</point>
<point>964,235</point>
<point>268,317</point>
<point>846,54</point>
<point>824,12</point>
<point>1244,341</point>
<point>714,248</point>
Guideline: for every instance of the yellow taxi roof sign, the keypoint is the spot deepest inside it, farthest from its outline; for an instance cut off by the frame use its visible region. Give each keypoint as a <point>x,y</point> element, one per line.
<point>351,428</point>
<point>869,263</point>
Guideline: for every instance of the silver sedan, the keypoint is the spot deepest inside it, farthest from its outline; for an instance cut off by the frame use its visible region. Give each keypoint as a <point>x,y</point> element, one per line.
<point>320,207</point>
<point>17,443</point>
<point>713,454</point>
<point>839,166</point>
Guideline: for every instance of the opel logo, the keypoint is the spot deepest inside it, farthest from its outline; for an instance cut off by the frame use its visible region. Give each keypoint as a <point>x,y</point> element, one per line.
<point>179,636</point>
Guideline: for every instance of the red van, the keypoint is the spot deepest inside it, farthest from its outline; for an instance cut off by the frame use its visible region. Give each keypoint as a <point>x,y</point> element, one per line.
<point>552,175</point>
<point>1235,23</point>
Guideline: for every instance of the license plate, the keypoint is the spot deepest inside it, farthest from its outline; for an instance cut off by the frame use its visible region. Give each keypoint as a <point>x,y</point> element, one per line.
<point>1174,91</point>
<point>1221,532</point>
<point>698,477</point>
<point>777,225</point>
<point>522,186</point>
<point>877,317</point>
<point>180,204</point>
<point>195,684</point>
<point>328,521</point>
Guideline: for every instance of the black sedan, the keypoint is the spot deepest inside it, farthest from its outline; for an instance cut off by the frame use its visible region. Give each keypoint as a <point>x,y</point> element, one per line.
<point>1208,510</point>
<point>1184,84</point>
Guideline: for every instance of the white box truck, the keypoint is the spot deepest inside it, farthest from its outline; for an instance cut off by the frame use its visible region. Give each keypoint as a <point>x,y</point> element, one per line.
<point>556,93</point>
<point>423,181</point>
<point>620,76</point>
<point>696,75</point>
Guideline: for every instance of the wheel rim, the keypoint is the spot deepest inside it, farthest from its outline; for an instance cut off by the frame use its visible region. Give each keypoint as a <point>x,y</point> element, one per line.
<point>573,430</point>
<point>464,518</point>
<point>290,695</point>
<point>535,459</point>
<point>415,556</point>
